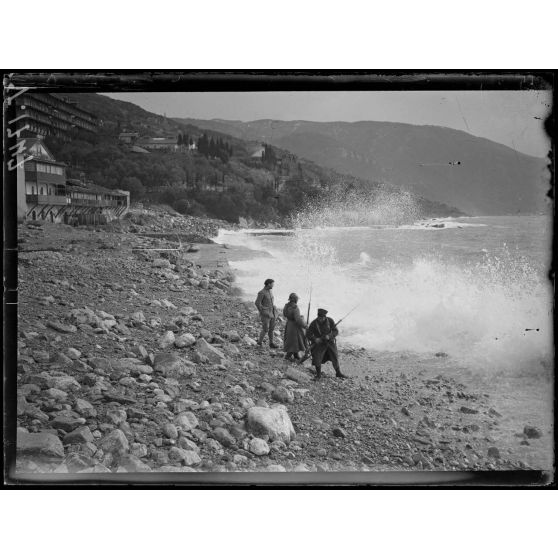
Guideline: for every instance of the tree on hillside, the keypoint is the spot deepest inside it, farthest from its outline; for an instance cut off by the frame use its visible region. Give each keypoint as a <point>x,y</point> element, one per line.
<point>268,156</point>
<point>134,186</point>
<point>203,145</point>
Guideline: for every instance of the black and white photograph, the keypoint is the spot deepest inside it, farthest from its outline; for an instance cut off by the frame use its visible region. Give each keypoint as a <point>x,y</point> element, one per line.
<point>279,277</point>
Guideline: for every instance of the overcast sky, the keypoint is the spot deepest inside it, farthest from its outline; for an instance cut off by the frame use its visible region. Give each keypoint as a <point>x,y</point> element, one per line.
<point>513,118</point>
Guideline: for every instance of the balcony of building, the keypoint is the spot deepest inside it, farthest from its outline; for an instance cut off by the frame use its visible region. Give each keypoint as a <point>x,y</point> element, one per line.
<point>36,199</point>
<point>95,203</point>
<point>45,177</point>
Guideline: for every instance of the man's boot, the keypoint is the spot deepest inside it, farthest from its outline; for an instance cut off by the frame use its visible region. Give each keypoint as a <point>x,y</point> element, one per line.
<point>318,375</point>
<point>339,374</point>
<point>272,345</point>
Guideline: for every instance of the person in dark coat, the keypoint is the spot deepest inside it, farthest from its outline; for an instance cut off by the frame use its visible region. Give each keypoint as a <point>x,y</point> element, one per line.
<point>321,334</point>
<point>294,339</point>
<point>266,308</point>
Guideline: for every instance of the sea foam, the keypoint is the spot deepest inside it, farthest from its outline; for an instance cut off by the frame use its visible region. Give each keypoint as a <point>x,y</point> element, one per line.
<point>493,317</point>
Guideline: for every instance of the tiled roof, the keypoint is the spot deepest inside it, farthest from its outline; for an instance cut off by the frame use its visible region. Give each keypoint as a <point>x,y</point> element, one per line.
<point>137,149</point>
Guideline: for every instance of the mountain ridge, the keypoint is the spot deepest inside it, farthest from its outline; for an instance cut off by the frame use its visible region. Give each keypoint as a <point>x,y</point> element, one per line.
<point>491,178</point>
<point>353,122</point>
<point>225,177</point>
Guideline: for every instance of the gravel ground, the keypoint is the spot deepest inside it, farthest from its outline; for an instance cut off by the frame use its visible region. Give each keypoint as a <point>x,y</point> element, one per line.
<point>135,355</point>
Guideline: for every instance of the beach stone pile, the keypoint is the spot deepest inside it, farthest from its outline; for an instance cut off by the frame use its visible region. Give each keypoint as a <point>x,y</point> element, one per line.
<point>135,357</point>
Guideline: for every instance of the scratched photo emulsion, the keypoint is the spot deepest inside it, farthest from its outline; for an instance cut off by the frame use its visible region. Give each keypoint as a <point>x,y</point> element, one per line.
<point>285,282</point>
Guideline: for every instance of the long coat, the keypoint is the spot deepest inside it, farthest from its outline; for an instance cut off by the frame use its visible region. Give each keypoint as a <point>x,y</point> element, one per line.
<point>326,350</point>
<point>293,338</point>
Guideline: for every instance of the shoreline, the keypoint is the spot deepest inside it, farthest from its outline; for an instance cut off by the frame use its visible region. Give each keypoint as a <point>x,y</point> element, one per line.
<point>396,413</point>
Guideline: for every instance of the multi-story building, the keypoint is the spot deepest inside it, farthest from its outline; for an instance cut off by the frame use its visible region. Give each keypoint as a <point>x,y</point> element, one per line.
<point>128,137</point>
<point>44,192</point>
<point>50,114</point>
<point>169,144</point>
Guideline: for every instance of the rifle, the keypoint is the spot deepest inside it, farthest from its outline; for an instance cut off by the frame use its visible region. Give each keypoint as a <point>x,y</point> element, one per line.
<point>309,349</point>
<point>349,312</point>
<point>309,302</point>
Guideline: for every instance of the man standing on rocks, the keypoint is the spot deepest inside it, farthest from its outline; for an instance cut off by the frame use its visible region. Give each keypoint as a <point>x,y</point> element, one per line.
<point>266,308</point>
<point>322,333</point>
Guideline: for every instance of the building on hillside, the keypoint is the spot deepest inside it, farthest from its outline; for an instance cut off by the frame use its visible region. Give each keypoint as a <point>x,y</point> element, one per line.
<point>89,203</point>
<point>128,137</point>
<point>168,144</point>
<point>288,171</point>
<point>44,192</point>
<point>49,114</point>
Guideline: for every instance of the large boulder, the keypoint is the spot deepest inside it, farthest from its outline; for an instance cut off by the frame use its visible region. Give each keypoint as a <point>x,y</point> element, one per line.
<point>133,464</point>
<point>233,336</point>
<point>298,375</point>
<point>187,457</point>
<point>62,328</point>
<point>167,340</point>
<point>186,421</point>
<point>84,408</point>
<point>80,435</point>
<point>100,362</point>
<point>138,317</point>
<point>184,340</point>
<point>67,422</point>
<point>213,355</point>
<point>115,442</point>
<point>162,263</point>
<point>131,365</point>
<point>273,422</point>
<point>224,437</point>
<point>172,366</point>
<point>257,446</point>
<point>64,383</point>
<point>56,394</point>
<point>41,444</point>
<point>283,395</point>
<point>33,412</point>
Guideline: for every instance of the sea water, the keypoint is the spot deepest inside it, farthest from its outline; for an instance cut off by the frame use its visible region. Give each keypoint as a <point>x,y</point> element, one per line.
<point>474,288</point>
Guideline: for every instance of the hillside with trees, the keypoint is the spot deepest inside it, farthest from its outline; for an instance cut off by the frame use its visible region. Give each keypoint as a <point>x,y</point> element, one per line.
<point>477,175</point>
<point>223,177</point>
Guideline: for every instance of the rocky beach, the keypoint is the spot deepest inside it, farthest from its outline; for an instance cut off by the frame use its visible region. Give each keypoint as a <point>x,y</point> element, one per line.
<point>136,354</point>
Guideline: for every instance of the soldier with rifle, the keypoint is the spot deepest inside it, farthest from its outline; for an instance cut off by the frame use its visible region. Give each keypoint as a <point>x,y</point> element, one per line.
<point>322,333</point>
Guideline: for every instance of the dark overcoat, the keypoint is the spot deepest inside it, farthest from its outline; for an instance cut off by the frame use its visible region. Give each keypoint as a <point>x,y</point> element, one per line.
<point>293,338</point>
<point>326,350</point>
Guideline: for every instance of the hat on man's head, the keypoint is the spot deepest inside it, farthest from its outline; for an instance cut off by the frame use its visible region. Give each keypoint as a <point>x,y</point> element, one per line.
<point>321,312</point>
<point>268,281</point>
<point>293,296</point>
